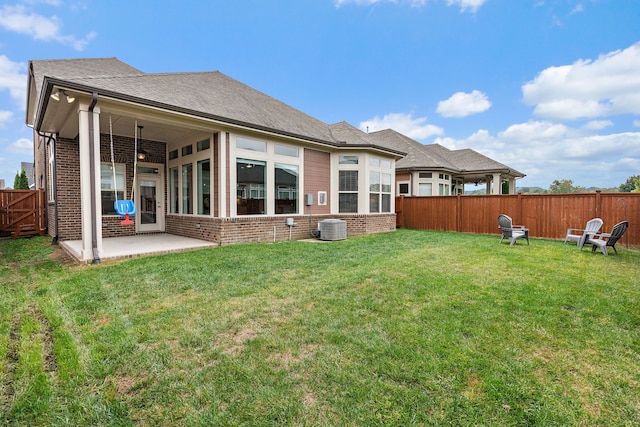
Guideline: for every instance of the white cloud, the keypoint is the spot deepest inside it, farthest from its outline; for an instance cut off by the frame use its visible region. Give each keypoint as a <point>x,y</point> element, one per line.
<point>465,5</point>
<point>636,123</point>
<point>5,117</point>
<point>415,128</point>
<point>462,104</point>
<point>578,9</point>
<point>22,21</point>
<point>22,146</point>
<point>598,124</point>
<point>13,78</point>
<point>523,133</point>
<point>609,85</point>
<point>547,151</point>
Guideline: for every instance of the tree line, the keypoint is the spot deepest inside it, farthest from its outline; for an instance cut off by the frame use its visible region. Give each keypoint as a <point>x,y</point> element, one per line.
<point>566,186</point>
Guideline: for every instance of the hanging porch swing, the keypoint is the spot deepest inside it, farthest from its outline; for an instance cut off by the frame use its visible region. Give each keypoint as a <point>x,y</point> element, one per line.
<point>124,207</point>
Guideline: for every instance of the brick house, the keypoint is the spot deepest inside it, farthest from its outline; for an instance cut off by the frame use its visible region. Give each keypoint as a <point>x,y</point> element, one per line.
<point>214,159</point>
<point>205,156</point>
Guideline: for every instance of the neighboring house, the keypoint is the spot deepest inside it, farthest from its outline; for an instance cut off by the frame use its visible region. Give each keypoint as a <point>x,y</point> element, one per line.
<point>28,169</point>
<point>434,170</point>
<point>219,161</point>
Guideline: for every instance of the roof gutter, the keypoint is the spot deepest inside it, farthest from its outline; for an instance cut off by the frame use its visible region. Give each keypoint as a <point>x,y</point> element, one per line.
<point>92,168</point>
<point>54,186</point>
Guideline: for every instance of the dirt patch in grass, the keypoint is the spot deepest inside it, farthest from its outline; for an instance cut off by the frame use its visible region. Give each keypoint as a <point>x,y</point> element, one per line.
<point>61,256</point>
<point>11,361</point>
<point>13,351</point>
<point>48,355</point>
<point>233,344</point>
<point>127,386</point>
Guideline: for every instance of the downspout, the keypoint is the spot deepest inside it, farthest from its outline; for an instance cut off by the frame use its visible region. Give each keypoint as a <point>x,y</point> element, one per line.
<point>92,180</point>
<point>54,187</point>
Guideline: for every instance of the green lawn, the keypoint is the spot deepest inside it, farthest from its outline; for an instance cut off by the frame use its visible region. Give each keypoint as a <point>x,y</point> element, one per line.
<point>404,328</point>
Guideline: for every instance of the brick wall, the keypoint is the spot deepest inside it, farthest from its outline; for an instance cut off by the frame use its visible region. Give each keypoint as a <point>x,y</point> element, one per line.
<point>226,231</point>
<point>68,182</point>
<point>67,161</point>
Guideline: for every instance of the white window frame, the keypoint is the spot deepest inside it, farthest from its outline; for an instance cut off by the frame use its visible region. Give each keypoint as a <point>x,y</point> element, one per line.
<point>290,154</point>
<point>193,159</point>
<point>117,189</point>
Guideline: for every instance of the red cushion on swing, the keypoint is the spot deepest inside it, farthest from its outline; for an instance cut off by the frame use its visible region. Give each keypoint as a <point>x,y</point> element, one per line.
<point>124,207</point>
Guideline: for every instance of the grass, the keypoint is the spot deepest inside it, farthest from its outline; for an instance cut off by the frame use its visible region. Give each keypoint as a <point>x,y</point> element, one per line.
<point>404,328</point>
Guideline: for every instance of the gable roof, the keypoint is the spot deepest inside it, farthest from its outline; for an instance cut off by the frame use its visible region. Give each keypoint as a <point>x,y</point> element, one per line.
<point>436,156</point>
<point>418,155</point>
<point>69,68</point>
<point>211,95</point>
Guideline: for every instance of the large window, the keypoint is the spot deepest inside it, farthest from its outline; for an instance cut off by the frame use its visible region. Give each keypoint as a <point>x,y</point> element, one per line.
<point>425,189</point>
<point>348,191</point>
<point>111,191</point>
<point>250,188</point>
<point>267,177</point>
<point>379,192</point>
<point>286,188</point>
<point>204,187</point>
<point>191,179</point>
<point>174,187</point>
<point>187,188</point>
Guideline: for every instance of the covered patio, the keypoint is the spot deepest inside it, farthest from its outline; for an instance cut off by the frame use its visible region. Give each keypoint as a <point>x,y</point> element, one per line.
<point>115,248</point>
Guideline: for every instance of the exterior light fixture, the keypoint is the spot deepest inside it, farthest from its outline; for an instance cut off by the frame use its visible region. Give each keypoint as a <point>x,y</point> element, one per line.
<point>56,96</point>
<point>141,153</point>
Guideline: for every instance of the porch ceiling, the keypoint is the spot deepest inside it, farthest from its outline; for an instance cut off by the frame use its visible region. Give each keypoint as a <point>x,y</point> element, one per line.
<point>62,118</point>
<point>152,130</point>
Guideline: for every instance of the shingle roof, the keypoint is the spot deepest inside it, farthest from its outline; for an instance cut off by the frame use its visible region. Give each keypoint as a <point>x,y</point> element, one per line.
<point>69,68</point>
<point>418,156</point>
<point>436,156</point>
<point>215,94</point>
<point>209,93</point>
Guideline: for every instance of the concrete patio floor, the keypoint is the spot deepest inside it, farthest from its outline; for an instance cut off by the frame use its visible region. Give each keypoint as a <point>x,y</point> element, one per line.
<point>114,248</point>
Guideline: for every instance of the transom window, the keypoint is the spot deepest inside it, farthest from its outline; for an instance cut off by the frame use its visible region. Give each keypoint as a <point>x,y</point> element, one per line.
<point>348,160</point>
<point>251,145</point>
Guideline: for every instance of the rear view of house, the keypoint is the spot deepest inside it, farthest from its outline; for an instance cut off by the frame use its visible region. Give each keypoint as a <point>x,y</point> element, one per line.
<point>200,154</point>
<point>204,156</point>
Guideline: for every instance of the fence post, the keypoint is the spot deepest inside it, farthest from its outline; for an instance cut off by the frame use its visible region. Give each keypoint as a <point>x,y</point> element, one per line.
<point>598,204</point>
<point>519,209</point>
<point>399,211</point>
<point>458,212</point>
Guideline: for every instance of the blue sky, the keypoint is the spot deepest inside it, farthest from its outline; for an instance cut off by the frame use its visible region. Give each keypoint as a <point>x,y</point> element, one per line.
<point>548,87</point>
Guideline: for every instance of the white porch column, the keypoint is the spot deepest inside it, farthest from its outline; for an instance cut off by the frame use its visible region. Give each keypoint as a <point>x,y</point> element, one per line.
<point>488,186</point>
<point>497,184</point>
<point>223,197</point>
<point>87,192</point>
<point>512,186</point>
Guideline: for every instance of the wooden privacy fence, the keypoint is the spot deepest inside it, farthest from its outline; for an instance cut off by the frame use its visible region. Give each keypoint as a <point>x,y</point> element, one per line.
<point>545,215</point>
<point>22,213</point>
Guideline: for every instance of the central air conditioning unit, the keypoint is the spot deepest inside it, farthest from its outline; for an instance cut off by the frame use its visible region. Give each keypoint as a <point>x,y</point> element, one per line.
<point>332,229</point>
